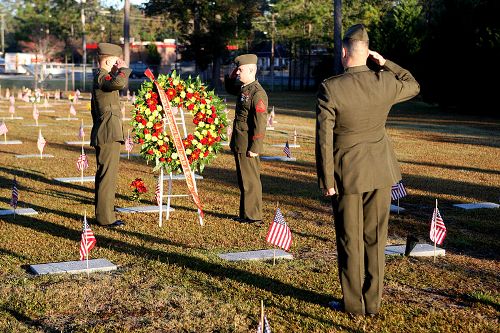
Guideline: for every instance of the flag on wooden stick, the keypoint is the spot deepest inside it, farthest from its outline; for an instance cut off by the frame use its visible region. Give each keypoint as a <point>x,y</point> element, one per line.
<point>129,144</point>
<point>88,240</point>
<point>81,132</point>
<point>438,229</point>
<point>398,191</point>
<point>158,192</point>
<point>82,163</point>
<point>279,233</point>
<point>15,194</point>
<point>3,128</point>
<point>72,110</point>
<point>40,143</point>
<point>286,150</point>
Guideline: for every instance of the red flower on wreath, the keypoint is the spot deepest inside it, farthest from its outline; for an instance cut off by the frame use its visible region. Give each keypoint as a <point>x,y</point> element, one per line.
<point>171,93</point>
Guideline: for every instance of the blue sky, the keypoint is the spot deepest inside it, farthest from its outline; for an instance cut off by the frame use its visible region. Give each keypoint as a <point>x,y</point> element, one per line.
<point>119,3</point>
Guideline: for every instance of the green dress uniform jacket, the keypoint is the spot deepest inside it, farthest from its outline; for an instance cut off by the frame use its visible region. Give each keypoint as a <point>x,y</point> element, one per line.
<point>106,137</point>
<point>249,126</point>
<point>353,152</point>
<point>248,135</point>
<point>106,113</point>
<point>354,156</point>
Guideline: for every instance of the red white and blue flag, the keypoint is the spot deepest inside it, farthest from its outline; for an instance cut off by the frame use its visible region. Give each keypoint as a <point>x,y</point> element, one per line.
<point>81,132</point>
<point>15,194</point>
<point>438,229</point>
<point>88,240</point>
<point>40,143</point>
<point>129,144</point>
<point>82,163</point>
<point>267,327</point>
<point>279,233</point>
<point>286,150</point>
<point>3,129</point>
<point>72,110</point>
<point>398,191</point>
<point>158,192</point>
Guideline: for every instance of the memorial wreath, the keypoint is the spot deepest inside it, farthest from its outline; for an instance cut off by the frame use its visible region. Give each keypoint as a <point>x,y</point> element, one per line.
<point>149,122</point>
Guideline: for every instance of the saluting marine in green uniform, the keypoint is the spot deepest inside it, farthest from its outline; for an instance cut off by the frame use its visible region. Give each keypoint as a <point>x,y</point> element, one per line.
<point>107,130</point>
<point>249,129</point>
<point>356,164</point>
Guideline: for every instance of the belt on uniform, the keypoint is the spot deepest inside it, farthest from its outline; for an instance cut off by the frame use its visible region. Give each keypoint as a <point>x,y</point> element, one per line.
<point>349,140</point>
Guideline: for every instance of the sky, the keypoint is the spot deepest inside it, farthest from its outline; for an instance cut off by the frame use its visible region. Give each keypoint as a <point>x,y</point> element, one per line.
<point>118,4</point>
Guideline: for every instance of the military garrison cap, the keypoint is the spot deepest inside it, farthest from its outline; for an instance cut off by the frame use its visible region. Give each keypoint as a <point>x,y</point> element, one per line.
<point>357,32</point>
<point>109,49</point>
<point>245,59</point>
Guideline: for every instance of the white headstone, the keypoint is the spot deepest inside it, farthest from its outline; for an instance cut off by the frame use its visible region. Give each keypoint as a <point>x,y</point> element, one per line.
<point>74,267</point>
<point>256,255</point>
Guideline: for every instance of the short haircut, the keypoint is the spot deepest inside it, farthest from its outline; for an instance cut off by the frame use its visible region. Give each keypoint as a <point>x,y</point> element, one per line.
<point>353,46</point>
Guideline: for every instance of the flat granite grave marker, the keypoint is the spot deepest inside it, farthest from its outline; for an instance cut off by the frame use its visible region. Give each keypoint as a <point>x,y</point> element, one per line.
<point>142,209</point>
<point>19,211</point>
<point>394,209</point>
<point>77,143</point>
<point>131,155</point>
<point>181,176</point>
<point>76,179</point>
<point>66,118</point>
<point>477,205</point>
<point>35,125</point>
<point>10,142</point>
<point>278,158</point>
<point>74,267</point>
<point>420,250</point>
<point>34,156</point>
<point>291,145</point>
<point>256,255</point>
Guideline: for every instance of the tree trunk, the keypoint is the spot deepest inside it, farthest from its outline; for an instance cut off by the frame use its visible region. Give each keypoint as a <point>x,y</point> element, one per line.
<point>337,36</point>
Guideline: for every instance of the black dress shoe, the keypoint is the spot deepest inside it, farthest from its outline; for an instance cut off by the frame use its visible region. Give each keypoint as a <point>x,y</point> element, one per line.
<point>116,224</point>
<point>237,219</point>
<point>250,221</point>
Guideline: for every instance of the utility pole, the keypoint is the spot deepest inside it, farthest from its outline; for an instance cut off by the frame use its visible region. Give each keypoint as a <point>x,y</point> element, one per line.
<point>337,36</point>
<point>2,16</point>
<point>126,32</point>
<point>84,43</point>
<point>271,68</point>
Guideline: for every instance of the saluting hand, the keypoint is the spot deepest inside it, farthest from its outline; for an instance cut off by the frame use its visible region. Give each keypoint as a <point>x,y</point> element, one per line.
<point>376,57</point>
<point>120,63</point>
<point>233,74</point>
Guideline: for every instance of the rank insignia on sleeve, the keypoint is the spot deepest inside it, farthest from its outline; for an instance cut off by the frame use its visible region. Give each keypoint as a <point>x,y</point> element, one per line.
<point>261,107</point>
<point>107,77</point>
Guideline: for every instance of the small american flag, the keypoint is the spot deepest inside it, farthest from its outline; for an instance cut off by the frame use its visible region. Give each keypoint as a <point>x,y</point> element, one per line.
<point>269,121</point>
<point>88,240</point>
<point>81,132</point>
<point>286,150</point>
<point>36,114</point>
<point>15,194</point>
<point>72,110</point>
<point>3,129</point>
<point>82,163</point>
<point>12,109</point>
<point>279,233</point>
<point>438,229</point>
<point>158,193</point>
<point>267,327</point>
<point>229,131</point>
<point>40,143</point>
<point>398,191</point>
<point>129,144</point>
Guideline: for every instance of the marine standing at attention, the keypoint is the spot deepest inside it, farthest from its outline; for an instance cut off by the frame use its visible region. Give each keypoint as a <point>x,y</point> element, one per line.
<point>249,129</point>
<point>356,165</point>
<point>107,130</point>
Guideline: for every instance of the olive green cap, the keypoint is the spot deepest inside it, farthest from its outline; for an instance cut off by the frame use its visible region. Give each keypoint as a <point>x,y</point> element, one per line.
<point>245,59</point>
<point>357,32</point>
<point>109,49</point>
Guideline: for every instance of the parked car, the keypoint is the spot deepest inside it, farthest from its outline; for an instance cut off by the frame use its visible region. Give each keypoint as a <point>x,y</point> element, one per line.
<point>138,69</point>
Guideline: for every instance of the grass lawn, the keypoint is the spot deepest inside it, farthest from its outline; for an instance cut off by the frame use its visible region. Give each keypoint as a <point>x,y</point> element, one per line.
<point>170,279</point>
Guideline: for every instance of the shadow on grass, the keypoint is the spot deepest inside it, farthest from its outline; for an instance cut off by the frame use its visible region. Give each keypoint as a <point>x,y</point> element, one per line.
<point>196,264</point>
<point>452,167</point>
<point>32,324</point>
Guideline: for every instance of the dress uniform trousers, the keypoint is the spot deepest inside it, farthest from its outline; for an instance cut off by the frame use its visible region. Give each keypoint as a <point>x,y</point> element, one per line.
<point>361,222</point>
<point>248,172</point>
<point>108,157</point>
